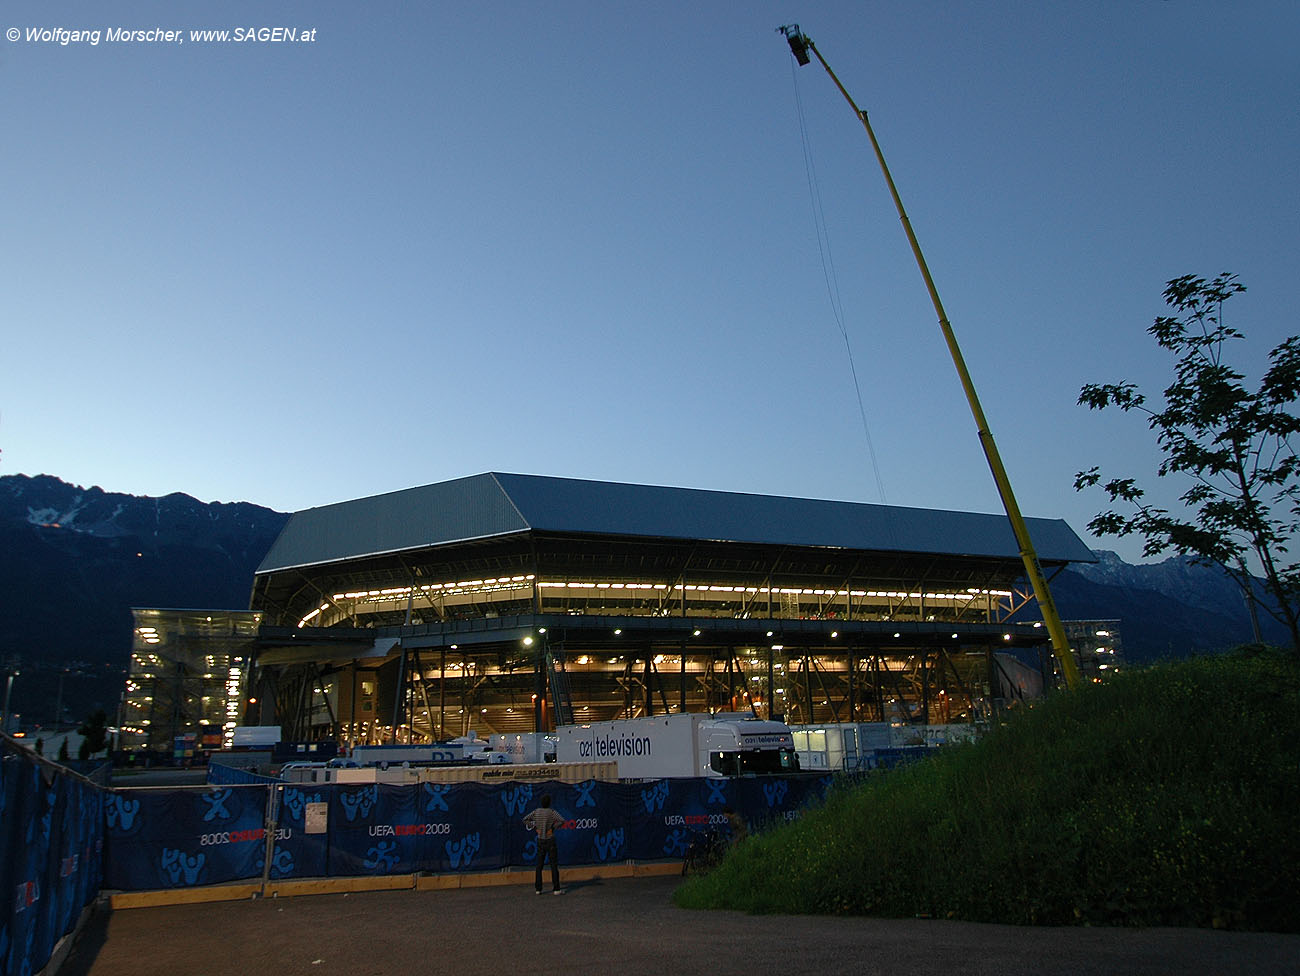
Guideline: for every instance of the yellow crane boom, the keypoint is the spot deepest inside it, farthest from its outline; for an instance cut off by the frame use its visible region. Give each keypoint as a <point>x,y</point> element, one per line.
<point>800,46</point>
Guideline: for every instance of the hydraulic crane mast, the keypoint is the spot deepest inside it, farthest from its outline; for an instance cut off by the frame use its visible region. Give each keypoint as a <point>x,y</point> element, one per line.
<point>800,46</point>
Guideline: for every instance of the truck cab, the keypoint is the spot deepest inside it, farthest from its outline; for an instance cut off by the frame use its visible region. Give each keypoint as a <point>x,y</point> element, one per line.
<point>741,744</point>
<point>734,762</point>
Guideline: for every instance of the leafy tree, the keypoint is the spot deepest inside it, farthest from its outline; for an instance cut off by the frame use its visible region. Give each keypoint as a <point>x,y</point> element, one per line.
<point>95,734</point>
<point>63,750</point>
<point>1231,444</point>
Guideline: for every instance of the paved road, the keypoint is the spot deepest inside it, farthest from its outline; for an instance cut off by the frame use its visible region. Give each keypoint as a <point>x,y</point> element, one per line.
<point>627,927</point>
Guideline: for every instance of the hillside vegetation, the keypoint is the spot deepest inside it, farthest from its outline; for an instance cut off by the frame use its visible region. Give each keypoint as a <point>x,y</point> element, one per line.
<point>1166,796</point>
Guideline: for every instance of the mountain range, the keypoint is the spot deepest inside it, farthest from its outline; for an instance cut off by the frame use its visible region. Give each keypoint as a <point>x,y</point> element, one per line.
<point>74,561</point>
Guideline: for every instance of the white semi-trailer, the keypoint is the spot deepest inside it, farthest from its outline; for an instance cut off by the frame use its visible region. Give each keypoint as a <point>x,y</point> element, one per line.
<point>461,772</point>
<point>465,748</point>
<point>682,744</point>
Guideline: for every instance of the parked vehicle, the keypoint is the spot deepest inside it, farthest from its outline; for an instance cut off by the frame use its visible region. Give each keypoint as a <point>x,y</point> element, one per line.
<point>683,744</point>
<point>524,747</point>
<point>463,771</point>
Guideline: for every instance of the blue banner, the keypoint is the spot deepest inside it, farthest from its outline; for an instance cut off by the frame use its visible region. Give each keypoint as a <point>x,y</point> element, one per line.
<point>767,802</point>
<point>298,854</point>
<point>177,838</point>
<point>62,837</point>
<point>664,815</point>
<point>51,855</point>
<point>472,825</point>
<point>594,829</point>
<point>183,838</point>
<point>364,837</point>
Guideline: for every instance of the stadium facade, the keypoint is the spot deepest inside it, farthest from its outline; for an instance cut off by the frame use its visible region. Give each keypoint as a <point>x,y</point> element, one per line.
<point>513,603</point>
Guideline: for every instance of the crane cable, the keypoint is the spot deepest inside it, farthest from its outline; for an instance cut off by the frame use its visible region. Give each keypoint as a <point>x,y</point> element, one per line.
<point>828,272</point>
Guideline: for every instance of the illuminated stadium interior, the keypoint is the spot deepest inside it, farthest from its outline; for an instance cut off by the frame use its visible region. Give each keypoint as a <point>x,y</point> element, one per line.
<point>513,603</point>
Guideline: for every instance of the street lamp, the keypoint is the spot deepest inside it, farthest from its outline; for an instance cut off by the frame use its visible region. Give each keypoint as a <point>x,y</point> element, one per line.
<point>4,716</point>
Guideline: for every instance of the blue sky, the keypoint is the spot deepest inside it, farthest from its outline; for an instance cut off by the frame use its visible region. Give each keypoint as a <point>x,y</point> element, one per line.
<point>578,239</point>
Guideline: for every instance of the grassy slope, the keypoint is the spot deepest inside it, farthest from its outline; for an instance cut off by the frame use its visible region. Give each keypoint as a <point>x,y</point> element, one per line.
<point>1167,796</point>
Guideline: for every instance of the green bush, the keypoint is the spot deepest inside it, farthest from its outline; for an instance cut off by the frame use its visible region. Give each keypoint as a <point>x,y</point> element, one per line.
<point>1166,796</point>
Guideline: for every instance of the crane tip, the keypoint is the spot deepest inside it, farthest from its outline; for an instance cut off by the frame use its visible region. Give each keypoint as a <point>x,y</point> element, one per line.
<point>797,40</point>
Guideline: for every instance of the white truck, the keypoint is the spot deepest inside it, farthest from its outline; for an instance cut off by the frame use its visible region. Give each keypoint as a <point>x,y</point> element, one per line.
<point>683,744</point>
<point>463,748</point>
<point>461,772</point>
<point>524,747</point>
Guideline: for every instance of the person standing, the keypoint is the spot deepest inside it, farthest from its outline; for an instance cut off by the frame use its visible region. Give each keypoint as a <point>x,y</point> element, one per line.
<point>546,822</point>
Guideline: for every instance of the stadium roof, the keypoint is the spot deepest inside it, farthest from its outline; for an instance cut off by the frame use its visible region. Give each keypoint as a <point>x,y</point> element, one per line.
<point>490,505</point>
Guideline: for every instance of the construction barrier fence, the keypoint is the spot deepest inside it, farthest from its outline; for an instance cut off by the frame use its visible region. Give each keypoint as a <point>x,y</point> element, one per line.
<point>51,846</point>
<point>160,839</point>
<point>63,838</point>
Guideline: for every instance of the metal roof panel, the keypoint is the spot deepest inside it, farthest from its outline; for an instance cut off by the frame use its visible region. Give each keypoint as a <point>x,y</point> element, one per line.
<point>414,518</point>
<point>609,508</point>
<point>493,504</point>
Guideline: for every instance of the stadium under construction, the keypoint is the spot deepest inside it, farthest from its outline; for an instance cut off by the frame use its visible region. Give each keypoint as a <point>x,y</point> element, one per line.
<point>504,603</point>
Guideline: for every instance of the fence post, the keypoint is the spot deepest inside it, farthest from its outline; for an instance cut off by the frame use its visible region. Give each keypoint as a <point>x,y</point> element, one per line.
<point>272,821</point>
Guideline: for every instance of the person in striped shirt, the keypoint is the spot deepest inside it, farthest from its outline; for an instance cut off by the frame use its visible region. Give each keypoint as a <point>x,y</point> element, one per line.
<point>545,821</point>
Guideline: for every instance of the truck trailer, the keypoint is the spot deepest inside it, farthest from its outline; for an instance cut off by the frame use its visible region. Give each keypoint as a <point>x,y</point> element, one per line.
<point>459,772</point>
<point>466,748</point>
<point>683,744</point>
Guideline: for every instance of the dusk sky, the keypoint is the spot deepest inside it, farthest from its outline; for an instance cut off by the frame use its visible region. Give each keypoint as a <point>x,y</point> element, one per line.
<point>581,239</point>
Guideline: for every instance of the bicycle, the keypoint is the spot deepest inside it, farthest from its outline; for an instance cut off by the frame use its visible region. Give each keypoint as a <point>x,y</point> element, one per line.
<point>704,852</point>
